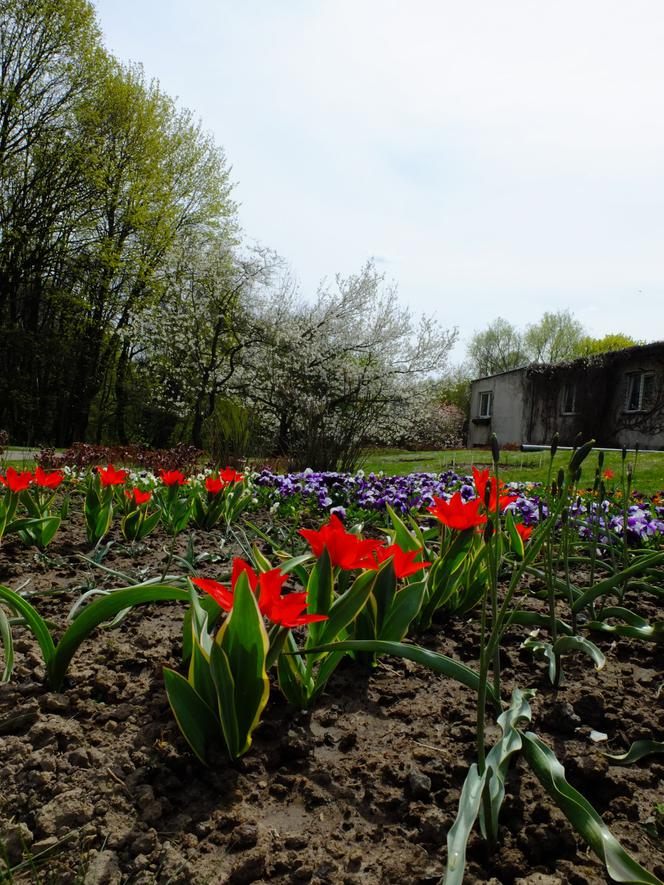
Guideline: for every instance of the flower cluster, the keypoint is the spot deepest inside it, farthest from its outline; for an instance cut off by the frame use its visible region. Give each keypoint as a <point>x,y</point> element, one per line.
<point>19,482</point>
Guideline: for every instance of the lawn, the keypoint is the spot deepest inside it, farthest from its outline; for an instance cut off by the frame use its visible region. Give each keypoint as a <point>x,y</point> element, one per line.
<point>517,466</point>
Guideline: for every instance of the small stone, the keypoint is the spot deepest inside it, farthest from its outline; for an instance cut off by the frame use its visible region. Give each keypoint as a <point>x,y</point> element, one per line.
<point>103,869</point>
<point>16,839</point>
<point>419,785</point>
<point>78,758</point>
<point>122,712</point>
<point>244,836</point>
<point>64,813</point>
<point>347,742</point>
<point>56,703</point>
<point>539,879</point>
<point>296,841</point>
<point>44,844</point>
<point>303,873</point>
<point>590,709</point>
<point>145,843</point>
<point>250,868</point>
<point>562,718</point>
<point>20,719</point>
<point>433,826</point>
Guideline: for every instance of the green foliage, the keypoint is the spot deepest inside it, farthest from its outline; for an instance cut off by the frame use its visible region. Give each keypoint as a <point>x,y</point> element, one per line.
<point>57,657</point>
<point>227,686</point>
<point>589,346</point>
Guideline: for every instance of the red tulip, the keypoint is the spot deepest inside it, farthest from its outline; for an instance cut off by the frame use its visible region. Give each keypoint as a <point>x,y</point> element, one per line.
<point>608,474</point>
<point>173,477</point>
<point>403,561</point>
<point>214,485</point>
<point>109,476</point>
<point>481,478</point>
<point>139,496</point>
<point>229,475</point>
<point>16,482</point>
<point>524,530</point>
<point>457,515</point>
<point>287,611</point>
<point>345,549</point>
<point>48,480</point>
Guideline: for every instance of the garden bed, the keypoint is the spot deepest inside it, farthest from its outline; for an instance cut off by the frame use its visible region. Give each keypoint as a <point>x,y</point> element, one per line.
<point>99,786</point>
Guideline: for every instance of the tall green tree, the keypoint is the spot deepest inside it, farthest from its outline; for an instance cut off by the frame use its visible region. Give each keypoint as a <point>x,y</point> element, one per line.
<point>498,348</point>
<point>554,339</point>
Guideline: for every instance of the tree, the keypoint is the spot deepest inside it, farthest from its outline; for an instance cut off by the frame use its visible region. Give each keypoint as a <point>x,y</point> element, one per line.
<point>498,348</point>
<point>50,56</point>
<point>554,339</point>
<point>325,374</point>
<point>192,340</point>
<point>589,346</point>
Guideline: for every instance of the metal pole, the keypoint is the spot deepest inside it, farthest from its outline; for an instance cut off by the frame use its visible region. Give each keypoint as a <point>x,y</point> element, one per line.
<point>528,447</point>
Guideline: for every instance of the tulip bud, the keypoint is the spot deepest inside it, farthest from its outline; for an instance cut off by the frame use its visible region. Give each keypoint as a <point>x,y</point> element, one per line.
<point>577,440</point>
<point>554,444</point>
<point>554,488</point>
<point>596,480</point>
<point>495,448</point>
<point>600,460</point>
<point>561,478</point>
<point>624,452</point>
<point>580,455</point>
<point>602,491</point>
<point>563,516</point>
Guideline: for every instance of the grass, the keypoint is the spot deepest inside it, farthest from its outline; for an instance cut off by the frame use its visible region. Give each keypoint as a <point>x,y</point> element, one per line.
<point>518,466</point>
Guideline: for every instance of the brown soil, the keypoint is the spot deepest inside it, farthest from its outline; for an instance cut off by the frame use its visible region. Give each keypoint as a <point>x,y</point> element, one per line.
<point>362,789</point>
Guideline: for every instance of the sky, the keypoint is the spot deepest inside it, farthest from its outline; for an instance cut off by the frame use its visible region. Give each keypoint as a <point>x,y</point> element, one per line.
<point>495,159</point>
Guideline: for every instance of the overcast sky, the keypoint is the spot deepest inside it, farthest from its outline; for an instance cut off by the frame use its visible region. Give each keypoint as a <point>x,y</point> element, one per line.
<point>496,158</point>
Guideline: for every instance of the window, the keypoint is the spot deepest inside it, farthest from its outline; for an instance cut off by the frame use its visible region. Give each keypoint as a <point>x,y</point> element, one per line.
<point>486,403</point>
<point>640,389</point>
<point>569,399</point>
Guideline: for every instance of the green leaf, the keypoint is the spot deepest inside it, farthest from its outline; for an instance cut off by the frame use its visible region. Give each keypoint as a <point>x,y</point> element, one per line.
<point>535,619</point>
<point>581,814</point>
<point>226,700</point>
<point>608,584</point>
<point>245,643</point>
<point>320,593</point>
<point>346,607</point>
<point>457,837</point>
<point>97,613</point>
<point>405,608</point>
<point>8,646</point>
<point>638,750</point>
<point>565,644</point>
<point>516,541</point>
<point>498,758</point>
<point>195,719</point>
<point>403,536</point>
<point>431,659</point>
<point>33,620</point>
<point>291,681</point>
<point>384,590</point>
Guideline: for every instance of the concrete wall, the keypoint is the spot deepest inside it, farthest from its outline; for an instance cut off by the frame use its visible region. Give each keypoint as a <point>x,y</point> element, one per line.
<point>601,400</point>
<point>509,394</point>
<point>529,403</point>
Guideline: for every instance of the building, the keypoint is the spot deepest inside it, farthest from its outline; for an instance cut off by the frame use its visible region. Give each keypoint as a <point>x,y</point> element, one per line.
<point>616,398</point>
